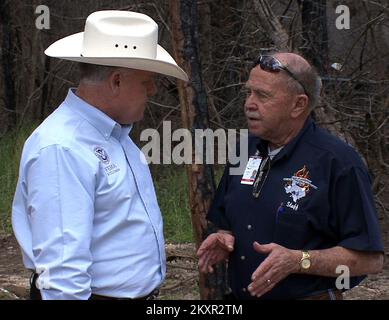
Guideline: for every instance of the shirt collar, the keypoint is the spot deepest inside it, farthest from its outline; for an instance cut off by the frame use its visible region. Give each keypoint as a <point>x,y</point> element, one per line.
<point>273,153</point>
<point>98,119</point>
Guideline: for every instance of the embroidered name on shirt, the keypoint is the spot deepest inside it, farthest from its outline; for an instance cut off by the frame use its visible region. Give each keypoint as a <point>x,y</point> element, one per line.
<point>111,169</point>
<point>298,186</point>
<point>295,206</point>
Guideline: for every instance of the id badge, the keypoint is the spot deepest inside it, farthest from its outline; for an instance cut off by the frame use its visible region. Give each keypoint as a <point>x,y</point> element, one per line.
<point>251,170</point>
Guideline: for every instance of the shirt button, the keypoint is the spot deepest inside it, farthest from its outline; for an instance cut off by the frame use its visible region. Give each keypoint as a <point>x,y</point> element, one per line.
<point>242,258</point>
<point>244,289</point>
<point>249,227</point>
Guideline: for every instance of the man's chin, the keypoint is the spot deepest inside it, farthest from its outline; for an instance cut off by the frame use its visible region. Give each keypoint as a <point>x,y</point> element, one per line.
<point>138,118</point>
<point>254,128</point>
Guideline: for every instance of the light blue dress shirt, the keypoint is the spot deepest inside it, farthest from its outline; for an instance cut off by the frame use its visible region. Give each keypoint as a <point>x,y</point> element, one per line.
<point>85,211</point>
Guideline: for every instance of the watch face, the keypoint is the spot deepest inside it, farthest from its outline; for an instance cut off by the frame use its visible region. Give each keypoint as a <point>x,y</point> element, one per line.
<point>305,263</point>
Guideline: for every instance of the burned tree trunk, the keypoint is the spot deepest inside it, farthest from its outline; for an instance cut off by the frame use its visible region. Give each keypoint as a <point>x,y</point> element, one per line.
<point>194,113</point>
<point>7,62</point>
<point>314,32</point>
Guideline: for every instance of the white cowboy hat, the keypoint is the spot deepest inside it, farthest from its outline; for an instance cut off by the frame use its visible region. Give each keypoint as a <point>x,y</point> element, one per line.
<point>120,39</point>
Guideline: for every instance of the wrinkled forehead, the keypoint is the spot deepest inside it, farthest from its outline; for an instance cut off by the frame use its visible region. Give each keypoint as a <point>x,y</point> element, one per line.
<point>260,78</point>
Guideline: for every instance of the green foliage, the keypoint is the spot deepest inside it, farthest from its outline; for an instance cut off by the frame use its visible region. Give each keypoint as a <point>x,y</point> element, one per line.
<point>11,145</point>
<point>172,192</point>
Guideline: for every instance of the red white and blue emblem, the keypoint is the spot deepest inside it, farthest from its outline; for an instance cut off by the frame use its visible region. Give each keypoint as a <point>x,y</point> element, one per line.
<point>299,185</point>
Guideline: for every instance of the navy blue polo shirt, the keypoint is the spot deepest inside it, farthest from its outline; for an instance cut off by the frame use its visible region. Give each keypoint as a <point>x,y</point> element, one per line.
<point>317,195</point>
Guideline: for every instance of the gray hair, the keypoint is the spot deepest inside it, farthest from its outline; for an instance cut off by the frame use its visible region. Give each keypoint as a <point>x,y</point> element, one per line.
<point>92,73</point>
<point>311,80</point>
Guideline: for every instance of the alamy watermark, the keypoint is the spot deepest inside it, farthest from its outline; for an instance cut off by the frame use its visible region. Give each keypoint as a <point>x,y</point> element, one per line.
<point>343,280</point>
<point>343,20</point>
<point>180,146</point>
<point>43,20</point>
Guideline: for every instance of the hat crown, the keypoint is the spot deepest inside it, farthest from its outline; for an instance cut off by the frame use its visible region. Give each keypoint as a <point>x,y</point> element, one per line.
<point>120,34</point>
<point>119,39</point>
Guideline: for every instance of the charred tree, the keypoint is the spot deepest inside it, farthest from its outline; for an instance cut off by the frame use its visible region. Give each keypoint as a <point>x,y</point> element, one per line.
<point>314,33</point>
<point>194,113</point>
<point>7,62</point>
<point>45,90</point>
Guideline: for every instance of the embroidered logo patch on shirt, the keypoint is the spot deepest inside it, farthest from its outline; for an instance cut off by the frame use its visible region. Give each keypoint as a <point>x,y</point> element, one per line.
<point>102,155</point>
<point>298,186</point>
<point>109,167</point>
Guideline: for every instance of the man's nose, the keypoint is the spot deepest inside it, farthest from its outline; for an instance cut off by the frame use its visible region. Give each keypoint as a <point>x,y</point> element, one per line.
<point>249,106</point>
<point>249,99</point>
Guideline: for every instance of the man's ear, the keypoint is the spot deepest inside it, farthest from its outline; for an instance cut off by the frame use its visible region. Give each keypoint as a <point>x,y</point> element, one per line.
<point>300,106</point>
<point>114,80</point>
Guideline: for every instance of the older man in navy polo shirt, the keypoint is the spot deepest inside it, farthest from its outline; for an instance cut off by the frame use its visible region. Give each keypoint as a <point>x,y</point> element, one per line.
<point>310,207</point>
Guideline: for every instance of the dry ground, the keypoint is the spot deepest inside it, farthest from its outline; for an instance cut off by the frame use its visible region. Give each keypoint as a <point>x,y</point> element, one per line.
<point>181,280</point>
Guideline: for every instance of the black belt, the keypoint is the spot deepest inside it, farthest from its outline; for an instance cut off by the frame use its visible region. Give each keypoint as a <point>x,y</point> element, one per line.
<point>330,294</point>
<point>35,293</point>
<point>151,296</point>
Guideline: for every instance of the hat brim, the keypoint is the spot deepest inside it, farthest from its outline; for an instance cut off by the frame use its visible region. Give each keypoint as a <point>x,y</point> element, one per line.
<point>69,48</point>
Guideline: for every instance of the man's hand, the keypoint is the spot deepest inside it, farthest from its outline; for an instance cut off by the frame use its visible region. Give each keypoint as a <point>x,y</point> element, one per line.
<point>279,263</point>
<point>216,248</point>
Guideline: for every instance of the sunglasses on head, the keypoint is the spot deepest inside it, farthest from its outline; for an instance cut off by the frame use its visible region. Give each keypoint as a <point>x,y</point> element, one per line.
<point>272,64</point>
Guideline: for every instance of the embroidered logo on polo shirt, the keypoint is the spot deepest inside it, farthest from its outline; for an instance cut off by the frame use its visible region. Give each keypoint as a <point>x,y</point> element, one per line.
<point>298,186</point>
<point>102,155</point>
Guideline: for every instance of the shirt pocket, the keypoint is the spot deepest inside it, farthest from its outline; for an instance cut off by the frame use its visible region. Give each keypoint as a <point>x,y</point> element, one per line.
<point>292,230</point>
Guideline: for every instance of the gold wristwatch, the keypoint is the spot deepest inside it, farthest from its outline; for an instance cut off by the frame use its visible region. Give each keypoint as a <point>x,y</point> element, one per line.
<point>305,262</point>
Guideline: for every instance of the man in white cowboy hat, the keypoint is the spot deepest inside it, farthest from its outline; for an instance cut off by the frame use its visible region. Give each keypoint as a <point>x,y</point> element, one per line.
<point>85,211</point>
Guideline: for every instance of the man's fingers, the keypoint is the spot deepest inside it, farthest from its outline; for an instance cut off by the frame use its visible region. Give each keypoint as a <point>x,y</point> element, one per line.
<point>263,248</point>
<point>215,248</point>
<point>203,261</point>
<point>215,240</point>
<point>201,264</point>
<point>203,268</point>
<point>259,283</point>
<point>265,283</point>
<point>206,245</point>
<point>201,251</point>
<point>226,241</point>
<point>212,259</point>
<point>266,265</point>
<point>258,289</point>
<point>263,268</point>
<point>229,243</point>
<point>206,261</point>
